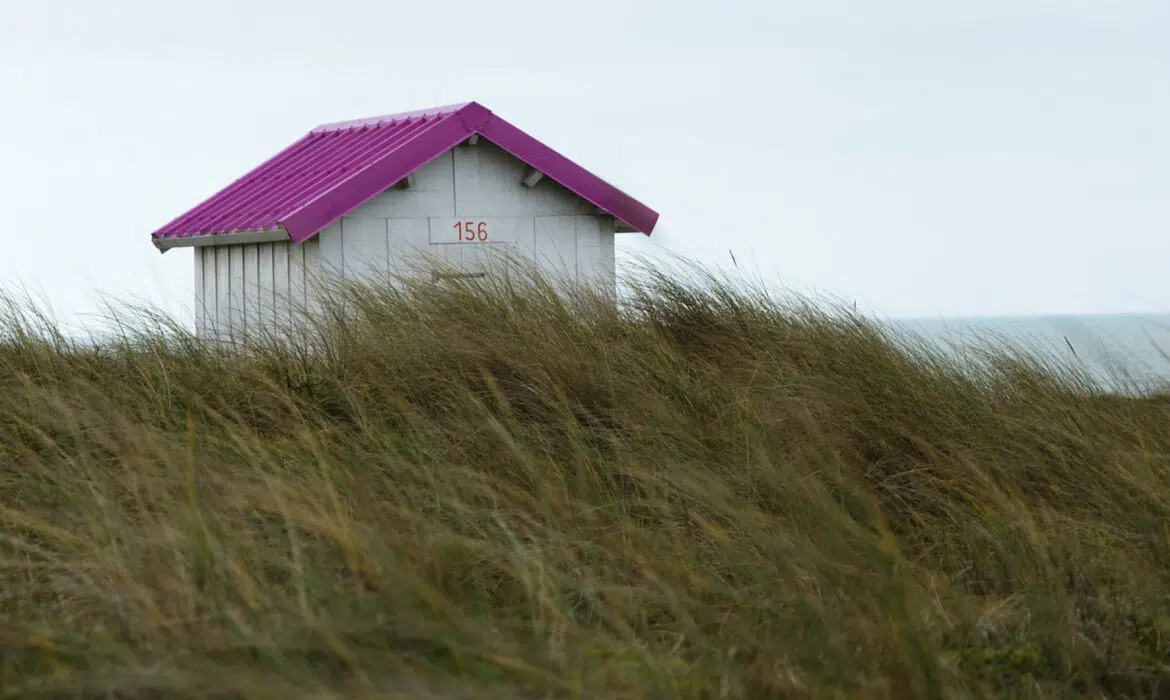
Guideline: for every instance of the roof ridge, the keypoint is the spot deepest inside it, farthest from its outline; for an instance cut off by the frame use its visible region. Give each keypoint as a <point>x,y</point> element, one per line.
<point>389,118</point>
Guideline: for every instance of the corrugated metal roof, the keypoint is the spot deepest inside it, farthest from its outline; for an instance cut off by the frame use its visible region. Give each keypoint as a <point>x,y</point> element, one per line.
<point>336,168</point>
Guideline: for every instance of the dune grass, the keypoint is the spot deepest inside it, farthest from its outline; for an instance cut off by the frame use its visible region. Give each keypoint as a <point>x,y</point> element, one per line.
<point>495,490</point>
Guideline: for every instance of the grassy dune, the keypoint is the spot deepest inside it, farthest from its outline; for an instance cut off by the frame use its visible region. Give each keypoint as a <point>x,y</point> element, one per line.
<point>498,492</point>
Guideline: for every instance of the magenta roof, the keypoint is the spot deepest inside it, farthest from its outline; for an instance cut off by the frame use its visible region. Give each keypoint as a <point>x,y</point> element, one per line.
<point>336,168</point>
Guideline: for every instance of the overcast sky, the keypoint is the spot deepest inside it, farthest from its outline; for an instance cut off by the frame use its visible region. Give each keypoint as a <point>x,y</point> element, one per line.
<point>966,157</point>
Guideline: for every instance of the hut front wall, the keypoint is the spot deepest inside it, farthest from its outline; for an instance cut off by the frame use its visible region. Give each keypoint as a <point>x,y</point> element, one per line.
<point>546,223</point>
<point>242,289</point>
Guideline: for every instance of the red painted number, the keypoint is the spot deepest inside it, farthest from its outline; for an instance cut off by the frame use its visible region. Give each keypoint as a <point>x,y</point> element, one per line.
<point>471,230</point>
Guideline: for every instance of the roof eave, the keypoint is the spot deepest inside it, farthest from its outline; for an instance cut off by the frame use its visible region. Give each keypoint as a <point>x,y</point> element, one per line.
<point>165,243</point>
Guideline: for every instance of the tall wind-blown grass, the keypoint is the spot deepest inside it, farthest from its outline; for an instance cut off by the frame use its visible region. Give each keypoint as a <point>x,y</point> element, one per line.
<point>495,489</point>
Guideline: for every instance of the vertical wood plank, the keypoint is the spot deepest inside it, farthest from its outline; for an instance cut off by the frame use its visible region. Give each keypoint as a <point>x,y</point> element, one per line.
<point>236,292</point>
<point>223,302</point>
<point>251,289</point>
<point>315,275</point>
<point>264,287</point>
<point>282,315</point>
<point>209,293</point>
<point>296,285</point>
<point>197,310</point>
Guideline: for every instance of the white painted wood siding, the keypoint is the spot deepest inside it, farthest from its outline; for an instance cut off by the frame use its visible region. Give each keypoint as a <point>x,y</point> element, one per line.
<point>245,289</point>
<point>564,234</point>
<point>248,289</point>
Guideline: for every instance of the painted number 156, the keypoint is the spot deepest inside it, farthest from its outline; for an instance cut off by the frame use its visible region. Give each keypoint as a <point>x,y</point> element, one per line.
<point>471,230</point>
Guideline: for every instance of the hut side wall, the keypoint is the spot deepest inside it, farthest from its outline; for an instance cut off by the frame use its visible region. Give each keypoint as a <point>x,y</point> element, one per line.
<point>241,289</point>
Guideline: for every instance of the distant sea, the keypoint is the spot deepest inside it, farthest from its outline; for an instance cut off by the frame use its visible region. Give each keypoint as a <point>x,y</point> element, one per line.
<point>1123,352</point>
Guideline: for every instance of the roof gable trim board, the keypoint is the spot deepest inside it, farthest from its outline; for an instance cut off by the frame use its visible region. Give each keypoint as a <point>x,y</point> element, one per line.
<point>572,176</point>
<point>367,183</point>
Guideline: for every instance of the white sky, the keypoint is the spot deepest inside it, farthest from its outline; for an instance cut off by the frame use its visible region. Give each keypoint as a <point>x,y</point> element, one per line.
<point>966,157</point>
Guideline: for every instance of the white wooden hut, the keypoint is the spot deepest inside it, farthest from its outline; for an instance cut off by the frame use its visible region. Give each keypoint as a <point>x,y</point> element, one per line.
<point>353,198</point>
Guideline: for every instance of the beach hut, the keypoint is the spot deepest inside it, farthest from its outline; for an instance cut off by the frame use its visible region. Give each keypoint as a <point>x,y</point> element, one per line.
<point>362,198</point>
